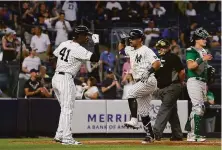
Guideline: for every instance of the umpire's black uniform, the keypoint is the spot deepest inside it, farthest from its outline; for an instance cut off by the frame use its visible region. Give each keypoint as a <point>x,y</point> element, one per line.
<point>169,91</point>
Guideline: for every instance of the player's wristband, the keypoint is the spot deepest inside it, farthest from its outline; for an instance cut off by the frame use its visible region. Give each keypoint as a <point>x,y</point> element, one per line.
<point>151,70</point>
<point>199,61</point>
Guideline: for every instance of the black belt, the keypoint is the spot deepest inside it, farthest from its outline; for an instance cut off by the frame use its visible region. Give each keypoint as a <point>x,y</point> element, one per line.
<point>63,73</point>
<point>137,80</point>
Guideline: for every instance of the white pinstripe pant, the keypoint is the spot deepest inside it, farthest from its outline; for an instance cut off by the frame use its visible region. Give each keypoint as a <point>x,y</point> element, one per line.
<point>65,90</point>
<point>142,92</point>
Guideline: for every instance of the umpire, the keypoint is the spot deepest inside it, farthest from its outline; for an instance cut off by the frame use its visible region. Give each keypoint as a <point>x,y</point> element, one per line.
<point>170,78</point>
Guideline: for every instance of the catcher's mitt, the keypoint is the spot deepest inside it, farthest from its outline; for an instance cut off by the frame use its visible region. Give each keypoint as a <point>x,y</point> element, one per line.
<point>210,74</point>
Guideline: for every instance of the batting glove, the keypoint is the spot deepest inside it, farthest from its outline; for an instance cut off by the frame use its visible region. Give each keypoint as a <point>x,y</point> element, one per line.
<point>95,38</point>
<point>145,76</point>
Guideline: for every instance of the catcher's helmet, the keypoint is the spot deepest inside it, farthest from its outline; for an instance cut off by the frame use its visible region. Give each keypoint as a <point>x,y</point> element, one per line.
<point>81,29</point>
<point>136,34</point>
<point>200,33</point>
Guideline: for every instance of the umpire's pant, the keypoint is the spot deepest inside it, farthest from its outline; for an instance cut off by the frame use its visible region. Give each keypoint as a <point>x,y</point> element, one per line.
<point>168,110</point>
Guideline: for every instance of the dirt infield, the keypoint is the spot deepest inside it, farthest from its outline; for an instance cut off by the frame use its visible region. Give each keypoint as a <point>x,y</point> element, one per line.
<point>215,142</point>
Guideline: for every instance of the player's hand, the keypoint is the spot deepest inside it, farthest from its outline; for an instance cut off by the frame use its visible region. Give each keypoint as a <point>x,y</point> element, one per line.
<point>95,38</point>
<point>145,76</point>
<point>207,57</point>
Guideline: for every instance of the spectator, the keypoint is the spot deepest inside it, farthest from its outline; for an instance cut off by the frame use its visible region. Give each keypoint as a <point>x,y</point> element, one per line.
<point>70,9</point>
<point>127,82</point>
<point>42,75</point>
<point>126,67</point>
<point>25,51</point>
<point>151,31</point>
<point>41,22</point>
<point>49,20</point>
<point>33,87</point>
<point>31,62</point>
<point>158,10</point>
<point>80,87</point>
<point>63,28</point>
<point>110,86</point>
<point>28,17</point>
<point>215,39</point>
<point>190,11</point>
<point>209,115</point>
<point>92,92</point>
<point>41,42</point>
<point>115,15</point>
<point>187,34</point>
<point>5,29</point>
<point>93,70</point>
<point>107,60</point>
<point>42,9</point>
<point>113,4</point>
<point>9,47</point>
<point>176,50</point>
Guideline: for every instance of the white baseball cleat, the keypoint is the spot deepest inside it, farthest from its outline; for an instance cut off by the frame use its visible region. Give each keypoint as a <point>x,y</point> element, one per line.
<point>195,138</point>
<point>72,142</point>
<point>133,123</point>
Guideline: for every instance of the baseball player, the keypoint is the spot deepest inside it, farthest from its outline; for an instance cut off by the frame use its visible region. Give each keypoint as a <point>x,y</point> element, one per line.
<point>70,56</point>
<point>197,57</point>
<point>170,78</point>
<point>144,63</point>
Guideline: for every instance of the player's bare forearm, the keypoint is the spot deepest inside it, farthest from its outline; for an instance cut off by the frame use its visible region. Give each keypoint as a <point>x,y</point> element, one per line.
<point>121,46</point>
<point>181,75</point>
<point>156,65</point>
<point>192,65</point>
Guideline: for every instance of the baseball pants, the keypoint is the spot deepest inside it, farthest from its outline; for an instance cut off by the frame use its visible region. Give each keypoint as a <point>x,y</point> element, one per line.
<point>65,90</point>
<point>142,92</point>
<point>197,91</point>
<point>168,110</point>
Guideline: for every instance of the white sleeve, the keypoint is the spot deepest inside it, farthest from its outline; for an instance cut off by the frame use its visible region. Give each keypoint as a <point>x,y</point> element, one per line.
<point>82,53</point>
<point>64,7</point>
<point>120,7</point>
<point>151,56</point>
<point>68,26</point>
<point>57,50</point>
<point>127,49</point>
<point>32,44</point>
<point>94,90</point>
<point>163,10</point>
<point>47,40</point>
<point>24,64</point>
<point>88,66</point>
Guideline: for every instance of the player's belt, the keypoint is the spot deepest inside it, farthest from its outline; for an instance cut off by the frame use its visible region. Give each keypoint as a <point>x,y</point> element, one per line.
<point>63,73</point>
<point>201,79</point>
<point>137,80</point>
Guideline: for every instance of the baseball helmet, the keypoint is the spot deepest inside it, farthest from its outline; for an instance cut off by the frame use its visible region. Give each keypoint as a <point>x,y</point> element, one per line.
<point>81,29</point>
<point>200,33</point>
<point>136,34</point>
<point>165,44</point>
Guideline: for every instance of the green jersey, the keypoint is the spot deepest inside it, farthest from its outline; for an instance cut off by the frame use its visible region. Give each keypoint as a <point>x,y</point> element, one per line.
<point>193,55</point>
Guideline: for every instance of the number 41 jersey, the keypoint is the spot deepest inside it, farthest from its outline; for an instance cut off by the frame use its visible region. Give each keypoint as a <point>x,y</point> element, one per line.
<point>70,56</point>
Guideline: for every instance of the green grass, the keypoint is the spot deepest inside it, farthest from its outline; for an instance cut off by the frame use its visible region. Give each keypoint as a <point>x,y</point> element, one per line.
<point>41,144</point>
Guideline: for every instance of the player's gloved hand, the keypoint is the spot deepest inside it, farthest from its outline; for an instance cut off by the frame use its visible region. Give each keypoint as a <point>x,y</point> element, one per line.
<point>95,38</point>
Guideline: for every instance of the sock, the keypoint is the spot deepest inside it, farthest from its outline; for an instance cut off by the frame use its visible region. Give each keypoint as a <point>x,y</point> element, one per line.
<point>133,107</point>
<point>197,121</point>
<point>147,126</point>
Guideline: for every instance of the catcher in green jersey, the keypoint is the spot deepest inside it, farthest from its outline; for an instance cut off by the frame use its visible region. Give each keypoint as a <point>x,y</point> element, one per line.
<point>196,58</point>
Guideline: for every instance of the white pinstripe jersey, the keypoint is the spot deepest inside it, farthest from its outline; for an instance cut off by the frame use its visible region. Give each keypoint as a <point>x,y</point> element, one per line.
<point>140,60</point>
<point>70,56</point>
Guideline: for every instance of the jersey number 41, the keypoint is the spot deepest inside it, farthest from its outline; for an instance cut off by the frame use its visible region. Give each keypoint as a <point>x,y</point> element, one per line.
<point>64,54</point>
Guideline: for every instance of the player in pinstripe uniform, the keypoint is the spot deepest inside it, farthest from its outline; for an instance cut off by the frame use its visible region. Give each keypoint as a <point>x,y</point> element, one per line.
<point>144,63</point>
<point>70,56</point>
<point>197,57</point>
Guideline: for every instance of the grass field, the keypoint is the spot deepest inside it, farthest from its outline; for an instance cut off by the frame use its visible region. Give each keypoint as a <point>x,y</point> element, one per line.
<point>105,144</point>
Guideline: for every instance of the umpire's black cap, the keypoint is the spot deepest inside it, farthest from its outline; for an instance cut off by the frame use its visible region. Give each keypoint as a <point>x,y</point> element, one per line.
<point>81,29</point>
<point>162,44</point>
<point>136,34</point>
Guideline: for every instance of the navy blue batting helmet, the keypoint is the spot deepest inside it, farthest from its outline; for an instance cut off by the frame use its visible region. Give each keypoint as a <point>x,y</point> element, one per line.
<point>136,34</point>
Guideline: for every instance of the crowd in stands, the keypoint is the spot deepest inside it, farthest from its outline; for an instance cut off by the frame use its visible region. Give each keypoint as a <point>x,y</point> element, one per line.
<point>31,30</point>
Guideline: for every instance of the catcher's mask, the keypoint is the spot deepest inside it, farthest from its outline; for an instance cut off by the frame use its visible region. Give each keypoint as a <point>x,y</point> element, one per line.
<point>199,33</point>
<point>162,46</point>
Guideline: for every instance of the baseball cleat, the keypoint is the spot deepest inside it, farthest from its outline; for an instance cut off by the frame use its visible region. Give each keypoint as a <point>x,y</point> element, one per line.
<point>57,140</point>
<point>195,138</point>
<point>133,123</point>
<point>148,139</point>
<point>73,142</point>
